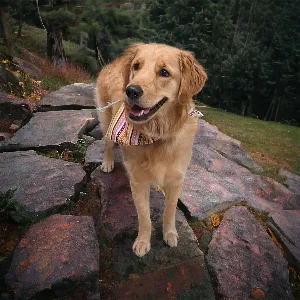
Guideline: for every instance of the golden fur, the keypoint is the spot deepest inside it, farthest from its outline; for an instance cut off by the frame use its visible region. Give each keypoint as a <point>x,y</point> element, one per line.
<point>165,161</point>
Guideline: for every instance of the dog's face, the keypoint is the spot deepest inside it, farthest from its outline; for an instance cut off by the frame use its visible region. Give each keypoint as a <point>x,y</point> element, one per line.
<point>158,78</point>
<point>154,79</point>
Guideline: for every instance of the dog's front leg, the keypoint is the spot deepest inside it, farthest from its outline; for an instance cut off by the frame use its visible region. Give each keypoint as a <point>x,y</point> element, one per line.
<point>141,194</point>
<point>108,160</point>
<point>172,191</point>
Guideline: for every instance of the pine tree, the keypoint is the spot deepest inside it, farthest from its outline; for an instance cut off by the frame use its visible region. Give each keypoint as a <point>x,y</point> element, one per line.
<point>250,49</point>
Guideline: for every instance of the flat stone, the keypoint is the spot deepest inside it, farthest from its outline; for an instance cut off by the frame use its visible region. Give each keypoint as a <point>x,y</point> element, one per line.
<point>186,280</point>
<point>128,265</point>
<point>88,138</point>
<point>242,257</point>
<point>28,68</point>
<point>264,193</point>
<point>205,193</point>
<point>286,225</point>
<point>230,148</point>
<point>212,161</point>
<point>8,77</point>
<point>95,152</point>
<point>216,178</point>
<point>96,132</point>
<point>118,212</point>
<point>15,108</point>
<point>54,257</point>
<point>52,128</point>
<point>291,180</point>
<point>42,184</point>
<point>75,95</point>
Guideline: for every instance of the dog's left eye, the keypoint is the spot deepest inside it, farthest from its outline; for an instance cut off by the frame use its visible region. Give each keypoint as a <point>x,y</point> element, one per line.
<point>136,66</point>
<point>164,73</point>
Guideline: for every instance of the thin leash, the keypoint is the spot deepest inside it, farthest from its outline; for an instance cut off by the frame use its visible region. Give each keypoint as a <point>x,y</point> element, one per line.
<point>103,108</point>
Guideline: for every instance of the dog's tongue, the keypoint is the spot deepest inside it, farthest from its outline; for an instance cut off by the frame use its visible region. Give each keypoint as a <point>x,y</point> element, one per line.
<point>138,111</point>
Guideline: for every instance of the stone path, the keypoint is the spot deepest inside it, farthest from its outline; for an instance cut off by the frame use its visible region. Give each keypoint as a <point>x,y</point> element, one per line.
<point>58,256</point>
<point>77,95</point>
<point>41,184</point>
<point>52,128</point>
<point>55,256</point>
<point>239,248</point>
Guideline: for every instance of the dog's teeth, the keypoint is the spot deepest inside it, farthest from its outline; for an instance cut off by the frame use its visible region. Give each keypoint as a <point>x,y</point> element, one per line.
<point>141,113</point>
<point>146,111</point>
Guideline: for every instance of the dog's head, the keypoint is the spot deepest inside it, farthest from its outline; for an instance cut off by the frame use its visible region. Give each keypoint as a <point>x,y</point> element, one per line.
<point>159,80</point>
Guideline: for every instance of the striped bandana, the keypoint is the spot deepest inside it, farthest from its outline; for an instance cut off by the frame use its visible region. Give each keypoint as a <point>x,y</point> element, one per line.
<point>122,132</point>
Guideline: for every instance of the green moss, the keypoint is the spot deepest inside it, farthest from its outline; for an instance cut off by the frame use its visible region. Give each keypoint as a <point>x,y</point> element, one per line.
<point>15,210</point>
<point>7,200</point>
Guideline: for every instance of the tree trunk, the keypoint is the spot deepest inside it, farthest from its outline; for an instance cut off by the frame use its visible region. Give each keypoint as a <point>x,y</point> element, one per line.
<point>249,108</point>
<point>20,20</point>
<point>277,109</point>
<point>20,27</point>
<point>50,43</point>
<point>55,49</point>
<point>274,104</point>
<point>98,54</point>
<point>243,108</point>
<point>269,109</point>
<point>5,29</point>
<point>250,23</point>
<point>236,29</point>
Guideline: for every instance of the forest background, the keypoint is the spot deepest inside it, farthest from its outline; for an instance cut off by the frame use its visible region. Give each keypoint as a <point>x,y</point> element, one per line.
<point>250,48</point>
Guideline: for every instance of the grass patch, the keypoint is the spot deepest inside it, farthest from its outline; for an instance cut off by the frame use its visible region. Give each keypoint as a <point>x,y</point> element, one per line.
<point>69,152</point>
<point>7,201</point>
<point>272,145</point>
<point>9,208</point>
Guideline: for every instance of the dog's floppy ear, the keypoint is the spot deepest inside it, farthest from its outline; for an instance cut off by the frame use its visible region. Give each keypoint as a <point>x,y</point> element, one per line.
<point>127,57</point>
<point>193,76</point>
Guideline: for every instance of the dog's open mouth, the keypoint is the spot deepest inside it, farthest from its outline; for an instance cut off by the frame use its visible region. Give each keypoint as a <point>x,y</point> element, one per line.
<point>138,113</point>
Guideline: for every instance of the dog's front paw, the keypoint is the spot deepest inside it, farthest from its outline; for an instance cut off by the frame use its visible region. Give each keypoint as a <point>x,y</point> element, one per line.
<point>171,238</point>
<point>141,247</point>
<point>107,166</point>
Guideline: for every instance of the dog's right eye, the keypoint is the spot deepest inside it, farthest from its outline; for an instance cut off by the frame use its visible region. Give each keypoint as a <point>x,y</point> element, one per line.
<point>136,66</point>
<point>164,73</point>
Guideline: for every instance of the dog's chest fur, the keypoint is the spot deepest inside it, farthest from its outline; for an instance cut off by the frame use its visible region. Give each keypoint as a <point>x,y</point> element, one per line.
<point>161,159</point>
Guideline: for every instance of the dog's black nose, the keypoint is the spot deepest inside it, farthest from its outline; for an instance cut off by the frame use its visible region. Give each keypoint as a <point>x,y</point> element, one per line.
<point>134,92</point>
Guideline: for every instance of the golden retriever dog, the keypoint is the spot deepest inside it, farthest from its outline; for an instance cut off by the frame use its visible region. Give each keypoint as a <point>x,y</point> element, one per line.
<point>155,84</point>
